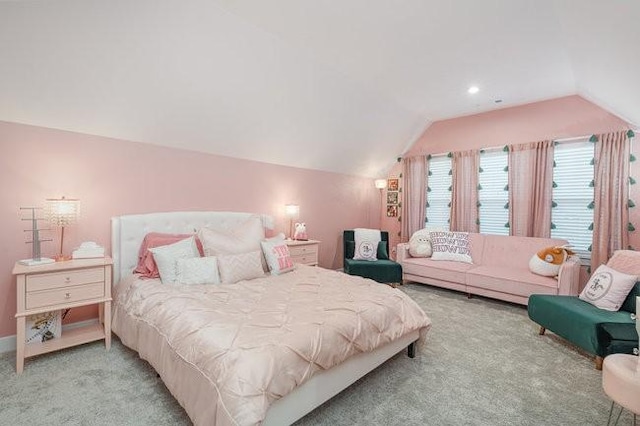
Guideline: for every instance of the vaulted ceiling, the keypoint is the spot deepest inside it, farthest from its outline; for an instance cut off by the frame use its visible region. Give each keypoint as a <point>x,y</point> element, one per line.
<point>343,86</point>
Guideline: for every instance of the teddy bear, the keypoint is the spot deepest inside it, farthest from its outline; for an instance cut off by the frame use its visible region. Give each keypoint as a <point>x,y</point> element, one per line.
<point>420,243</point>
<point>300,232</point>
<point>547,262</point>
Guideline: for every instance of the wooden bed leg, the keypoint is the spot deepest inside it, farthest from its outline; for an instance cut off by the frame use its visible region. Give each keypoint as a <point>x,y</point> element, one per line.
<point>541,331</point>
<point>411,350</point>
<point>599,361</point>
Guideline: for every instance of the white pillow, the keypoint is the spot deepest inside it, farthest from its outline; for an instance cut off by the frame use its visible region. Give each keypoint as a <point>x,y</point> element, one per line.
<point>277,254</point>
<point>197,270</point>
<point>454,246</point>
<point>166,256</point>
<point>243,238</point>
<point>238,267</point>
<point>420,241</point>
<point>366,247</point>
<point>607,288</point>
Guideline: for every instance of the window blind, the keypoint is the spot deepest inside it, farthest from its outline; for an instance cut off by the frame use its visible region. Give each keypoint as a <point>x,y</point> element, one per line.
<point>493,178</point>
<point>438,192</point>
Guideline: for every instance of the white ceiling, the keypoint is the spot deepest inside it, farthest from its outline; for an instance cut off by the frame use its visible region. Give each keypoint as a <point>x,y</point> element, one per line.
<point>343,86</point>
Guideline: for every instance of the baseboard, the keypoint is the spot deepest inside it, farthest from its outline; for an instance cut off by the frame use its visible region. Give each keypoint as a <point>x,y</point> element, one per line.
<point>8,343</point>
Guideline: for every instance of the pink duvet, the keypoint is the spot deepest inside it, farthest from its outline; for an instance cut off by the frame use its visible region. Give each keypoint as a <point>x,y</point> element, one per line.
<point>226,352</point>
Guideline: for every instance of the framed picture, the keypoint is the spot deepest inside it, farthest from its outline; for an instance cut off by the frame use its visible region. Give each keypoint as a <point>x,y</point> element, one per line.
<point>392,211</point>
<point>392,197</point>
<point>392,184</point>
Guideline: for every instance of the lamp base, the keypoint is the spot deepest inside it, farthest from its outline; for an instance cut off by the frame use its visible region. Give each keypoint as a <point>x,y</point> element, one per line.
<point>62,258</point>
<point>36,262</point>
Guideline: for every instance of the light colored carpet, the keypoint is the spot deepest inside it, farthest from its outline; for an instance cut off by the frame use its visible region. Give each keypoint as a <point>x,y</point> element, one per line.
<point>484,364</point>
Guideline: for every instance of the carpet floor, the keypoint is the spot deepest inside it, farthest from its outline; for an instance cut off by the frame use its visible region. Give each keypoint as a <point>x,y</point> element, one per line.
<point>483,364</point>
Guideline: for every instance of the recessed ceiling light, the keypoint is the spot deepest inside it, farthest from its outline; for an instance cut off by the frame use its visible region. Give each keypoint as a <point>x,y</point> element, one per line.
<point>473,90</point>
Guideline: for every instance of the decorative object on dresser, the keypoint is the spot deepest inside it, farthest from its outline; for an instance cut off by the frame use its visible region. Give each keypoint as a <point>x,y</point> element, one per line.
<point>58,286</point>
<point>292,211</point>
<point>305,252</point>
<point>62,212</point>
<point>301,232</point>
<point>36,258</point>
<point>88,250</point>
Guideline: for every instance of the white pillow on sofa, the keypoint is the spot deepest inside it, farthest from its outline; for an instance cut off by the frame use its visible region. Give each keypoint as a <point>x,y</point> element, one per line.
<point>454,246</point>
<point>607,288</point>
<point>420,241</point>
<point>166,257</point>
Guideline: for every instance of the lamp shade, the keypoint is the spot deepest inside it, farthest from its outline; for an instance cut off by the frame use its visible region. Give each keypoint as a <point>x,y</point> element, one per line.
<point>292,211</point>
<point>380,183</point>
<point>62,211</point>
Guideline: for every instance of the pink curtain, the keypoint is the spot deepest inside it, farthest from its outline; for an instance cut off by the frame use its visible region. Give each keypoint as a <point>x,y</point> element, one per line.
<point>464,191</point>
<point>414,174</point>
<point>530,189</point>
<point>611,215</point>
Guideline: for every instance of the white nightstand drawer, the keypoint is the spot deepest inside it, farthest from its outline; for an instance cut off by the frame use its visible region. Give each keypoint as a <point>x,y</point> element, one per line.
<point>38,299</point>
<point>309,250</point>
<point>308,259</point>
<point>64,279</point>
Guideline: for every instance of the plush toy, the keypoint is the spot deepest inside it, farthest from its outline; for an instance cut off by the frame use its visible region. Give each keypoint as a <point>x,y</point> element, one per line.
<point>300,232</point>
<point>547,262</point>
<point>420,243</point>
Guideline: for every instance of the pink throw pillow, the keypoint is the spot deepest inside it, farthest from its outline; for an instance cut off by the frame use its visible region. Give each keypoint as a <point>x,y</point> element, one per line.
<point>146,265</point>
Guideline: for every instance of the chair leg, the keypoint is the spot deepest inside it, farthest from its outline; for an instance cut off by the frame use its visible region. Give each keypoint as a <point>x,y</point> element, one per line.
<point>599,361</point>
<point>619,413</point>
<point>610,412</point>
<point>541,331</point>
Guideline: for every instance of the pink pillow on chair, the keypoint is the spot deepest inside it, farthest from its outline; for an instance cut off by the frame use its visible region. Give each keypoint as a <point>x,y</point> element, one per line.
<point>146,265</point>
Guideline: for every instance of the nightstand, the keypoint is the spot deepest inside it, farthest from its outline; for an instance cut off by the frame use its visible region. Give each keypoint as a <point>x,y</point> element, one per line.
<point>305,252</point>
<point>58,286</point>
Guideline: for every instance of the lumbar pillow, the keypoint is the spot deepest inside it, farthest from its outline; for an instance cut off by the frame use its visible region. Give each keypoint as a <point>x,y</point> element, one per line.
<point>238,267</point>
<point>607,288</point>
<point>277,254</point>
<point>547,262</point>
<point>166,257</point>
<point>451,246</point>
<point>382,253</point>
<point>420,244</point>
<point>197,270</point>
<point>366,243</point>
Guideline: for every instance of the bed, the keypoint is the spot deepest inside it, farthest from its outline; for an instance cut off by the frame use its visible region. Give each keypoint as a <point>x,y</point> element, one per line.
<point>262,351</point>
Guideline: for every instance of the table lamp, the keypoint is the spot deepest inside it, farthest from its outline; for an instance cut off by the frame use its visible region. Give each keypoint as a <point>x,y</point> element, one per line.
<point>62,212</point>
<point>292,211</point>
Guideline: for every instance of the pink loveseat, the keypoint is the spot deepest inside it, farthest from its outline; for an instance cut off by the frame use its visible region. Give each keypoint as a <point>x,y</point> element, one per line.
<point>500,269</point>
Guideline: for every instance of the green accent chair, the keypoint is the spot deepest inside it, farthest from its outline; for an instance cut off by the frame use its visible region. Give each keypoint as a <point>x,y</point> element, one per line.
<point>382,270</point>
<point>595,330</point>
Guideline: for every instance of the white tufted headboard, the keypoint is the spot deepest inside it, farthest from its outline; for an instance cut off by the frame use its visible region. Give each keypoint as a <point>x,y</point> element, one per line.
<point>127,232</point>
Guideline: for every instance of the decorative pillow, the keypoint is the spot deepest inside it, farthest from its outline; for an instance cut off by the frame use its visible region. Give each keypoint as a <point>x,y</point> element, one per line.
<point>243,238</point>
<point>366,241</point>
<point>166,257</point>
<point>548,261</point>
<point>451,246</point>
<point>607,288</point>
<point>277,254</point>
<point>197,270</point>
<point>238,267</point>
<point>146,265</point>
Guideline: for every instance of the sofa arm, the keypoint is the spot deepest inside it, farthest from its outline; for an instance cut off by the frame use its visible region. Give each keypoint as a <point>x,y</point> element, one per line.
<point>403,252</point>
<point>569,277</point>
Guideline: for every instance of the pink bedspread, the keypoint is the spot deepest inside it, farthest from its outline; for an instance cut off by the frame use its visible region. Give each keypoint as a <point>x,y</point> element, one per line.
<point>226,352</point>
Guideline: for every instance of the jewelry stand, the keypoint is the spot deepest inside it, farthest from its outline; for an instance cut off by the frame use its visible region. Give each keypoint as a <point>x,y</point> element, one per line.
<point>36,258</point>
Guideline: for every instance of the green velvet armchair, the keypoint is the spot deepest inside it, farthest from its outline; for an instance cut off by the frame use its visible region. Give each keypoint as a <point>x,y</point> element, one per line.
<point>382,270</point>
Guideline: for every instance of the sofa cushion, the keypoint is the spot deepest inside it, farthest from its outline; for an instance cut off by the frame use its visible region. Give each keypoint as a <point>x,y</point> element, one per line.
<point>502,250</point>
<point>445,270</point>
<point>516,279</point>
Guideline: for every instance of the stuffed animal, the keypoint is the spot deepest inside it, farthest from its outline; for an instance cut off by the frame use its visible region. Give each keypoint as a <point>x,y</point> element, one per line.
<point>420,243</point>
<point>300,232</point>
<point>547,262</point>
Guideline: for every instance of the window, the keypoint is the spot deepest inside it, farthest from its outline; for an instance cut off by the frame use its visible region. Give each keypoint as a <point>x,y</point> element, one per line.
<point>492,195</point>
<point>572,213</point>
<point>438,191</point>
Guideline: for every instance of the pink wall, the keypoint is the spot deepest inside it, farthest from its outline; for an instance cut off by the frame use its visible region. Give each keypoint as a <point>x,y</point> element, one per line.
<point>114,177</point>
<point>554,119</point>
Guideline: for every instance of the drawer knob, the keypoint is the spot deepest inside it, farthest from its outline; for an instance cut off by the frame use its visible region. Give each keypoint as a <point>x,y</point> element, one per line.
<point>67,295</point>
<point>67,280</point>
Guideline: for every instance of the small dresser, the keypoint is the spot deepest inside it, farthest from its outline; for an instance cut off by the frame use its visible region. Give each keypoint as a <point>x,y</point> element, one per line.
<point>60,286</point>
<point>305,252</point>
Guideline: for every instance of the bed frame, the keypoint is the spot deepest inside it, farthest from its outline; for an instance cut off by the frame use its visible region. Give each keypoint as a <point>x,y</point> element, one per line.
<point>127,233</point>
